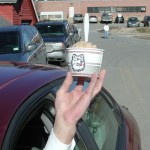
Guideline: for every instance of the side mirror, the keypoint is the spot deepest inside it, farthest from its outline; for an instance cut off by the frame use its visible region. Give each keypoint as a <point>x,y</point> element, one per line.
<point>31,47</point>
<point>71,33</point>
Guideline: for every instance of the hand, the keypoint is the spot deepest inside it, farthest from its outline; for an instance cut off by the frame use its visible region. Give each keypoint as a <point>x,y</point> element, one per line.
<point>71,106</point>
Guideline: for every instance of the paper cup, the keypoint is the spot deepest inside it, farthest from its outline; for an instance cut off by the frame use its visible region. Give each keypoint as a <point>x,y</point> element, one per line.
<point>84,61</point>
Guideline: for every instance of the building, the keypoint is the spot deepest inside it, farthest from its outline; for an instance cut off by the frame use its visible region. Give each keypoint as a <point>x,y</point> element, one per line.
<point>16,12</point>
<point>128,8</point>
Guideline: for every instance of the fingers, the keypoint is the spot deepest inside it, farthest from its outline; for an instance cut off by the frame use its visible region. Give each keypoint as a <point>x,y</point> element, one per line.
<point>99,82</point>
<point>67,83</point>
<point>80,83</point>
<point>91,86</point>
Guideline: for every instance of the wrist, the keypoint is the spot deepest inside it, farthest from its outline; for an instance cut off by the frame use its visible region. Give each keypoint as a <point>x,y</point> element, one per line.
<point>64,130</point>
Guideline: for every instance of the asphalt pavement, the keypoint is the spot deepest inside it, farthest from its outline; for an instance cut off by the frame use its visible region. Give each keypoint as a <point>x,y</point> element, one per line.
<point>126,60</point>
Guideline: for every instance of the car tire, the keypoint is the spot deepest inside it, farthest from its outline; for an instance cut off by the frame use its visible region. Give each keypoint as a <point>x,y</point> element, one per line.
<point>63,63</point>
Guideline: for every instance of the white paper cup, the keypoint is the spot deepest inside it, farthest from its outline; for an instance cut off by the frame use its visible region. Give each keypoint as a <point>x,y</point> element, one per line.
<point>84,61</point>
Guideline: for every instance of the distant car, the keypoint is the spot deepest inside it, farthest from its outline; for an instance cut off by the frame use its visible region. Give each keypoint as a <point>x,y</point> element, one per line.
<point>106,18</point>
<point>119,19</point>
<point>78,18</point>
<point>93,19</point>
<point>133,22</point>
<point>77,33</point>
<point>57,35</point>
<point>146,21</point>
<point>27,112</point>
<point>22,43</point>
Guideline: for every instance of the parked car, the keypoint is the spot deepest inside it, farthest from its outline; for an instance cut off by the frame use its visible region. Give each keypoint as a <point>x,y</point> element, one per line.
<point>133,22</point>
<point>119,18</point>
<point>78,18</point>
<point>146,21</point>
<point>57,35</point>
<point>106,17</point>
<point>22,43</point>
<point>93,19</point>
<point>76,32</point>
<point>27,112</point>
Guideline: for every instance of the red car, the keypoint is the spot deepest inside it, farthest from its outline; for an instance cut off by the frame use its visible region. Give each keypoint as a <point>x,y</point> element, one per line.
<point>27,113</point>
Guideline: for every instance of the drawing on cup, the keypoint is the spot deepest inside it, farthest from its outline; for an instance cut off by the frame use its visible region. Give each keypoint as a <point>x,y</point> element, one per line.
<point>78,62</point>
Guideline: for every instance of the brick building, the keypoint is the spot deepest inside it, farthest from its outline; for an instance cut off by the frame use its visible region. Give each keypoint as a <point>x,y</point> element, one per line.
<point>16,12</point>
<point>128,8</point>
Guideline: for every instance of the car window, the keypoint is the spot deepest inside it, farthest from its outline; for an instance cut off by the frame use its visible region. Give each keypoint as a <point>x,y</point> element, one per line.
<point>51,30</point>
<point>9,42</point>
<point>102,123</point>
<point>33,121</point>
<point>133,19</point>
<point>26,38</point>
<point>148,18</point>
<point>36,37</point>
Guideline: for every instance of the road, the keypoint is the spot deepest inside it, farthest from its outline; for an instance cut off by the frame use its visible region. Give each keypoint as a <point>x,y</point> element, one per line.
<point>126,59</point>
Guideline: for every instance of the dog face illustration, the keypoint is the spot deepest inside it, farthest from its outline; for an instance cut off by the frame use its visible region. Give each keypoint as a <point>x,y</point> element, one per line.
<point>78,62</point>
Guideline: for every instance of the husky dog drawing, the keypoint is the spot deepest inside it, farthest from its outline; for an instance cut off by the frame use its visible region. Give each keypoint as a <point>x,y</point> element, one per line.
<point>78,62</point>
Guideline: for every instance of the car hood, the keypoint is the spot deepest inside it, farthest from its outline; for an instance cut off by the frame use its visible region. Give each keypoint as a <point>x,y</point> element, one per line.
<point>55,39</point>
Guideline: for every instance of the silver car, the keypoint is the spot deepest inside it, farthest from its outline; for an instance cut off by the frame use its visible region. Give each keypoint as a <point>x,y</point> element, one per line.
<point>78,18</point>
<point>57,35</point>
<point>93,19</point>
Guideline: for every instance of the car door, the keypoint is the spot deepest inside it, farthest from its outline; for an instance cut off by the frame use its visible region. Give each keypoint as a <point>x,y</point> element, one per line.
<point>33,120</point>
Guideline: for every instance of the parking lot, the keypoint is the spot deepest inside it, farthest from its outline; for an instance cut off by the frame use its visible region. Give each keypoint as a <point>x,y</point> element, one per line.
<point>126,59</point>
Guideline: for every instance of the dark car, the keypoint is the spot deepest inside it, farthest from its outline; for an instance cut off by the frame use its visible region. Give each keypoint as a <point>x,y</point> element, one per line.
<point>133,22</point>
<point>57,35</point>
<point>27,112</point>
<point>119,19</point>
<point>146,21</point>
<point>76,32</point>
<point>78,18</point>
<point>22,43</point>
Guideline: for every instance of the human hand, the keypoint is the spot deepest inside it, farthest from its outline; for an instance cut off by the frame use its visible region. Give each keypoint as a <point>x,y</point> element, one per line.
<point>71,106</point>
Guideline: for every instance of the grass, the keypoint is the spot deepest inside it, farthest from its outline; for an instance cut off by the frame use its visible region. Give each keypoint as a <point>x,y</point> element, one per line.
<point>143,30</point>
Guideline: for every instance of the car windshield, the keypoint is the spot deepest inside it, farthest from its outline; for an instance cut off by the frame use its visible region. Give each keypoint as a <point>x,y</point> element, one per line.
<point>9,42</point>
<point>133,19</point>
<point>148,18</point>
<point>107,16</point>
<point>78,15</point>
<point>51,30</point>
<point>93,17</point>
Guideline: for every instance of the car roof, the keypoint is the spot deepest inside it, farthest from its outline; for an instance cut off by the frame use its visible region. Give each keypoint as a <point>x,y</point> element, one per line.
<point>13,28</point>
<point>21,71</point>
<point>19,80</point>
<point>54,22</point>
